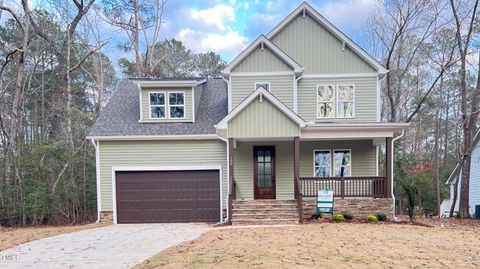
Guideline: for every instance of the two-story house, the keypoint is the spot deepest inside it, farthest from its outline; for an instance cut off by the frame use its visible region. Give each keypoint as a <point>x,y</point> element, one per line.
<point>296,112</point>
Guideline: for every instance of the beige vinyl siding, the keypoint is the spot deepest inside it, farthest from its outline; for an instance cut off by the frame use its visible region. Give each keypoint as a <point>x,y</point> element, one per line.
<point>146,103</point>
<point>262,119</point>
<point>365,98</point>
<point>243,159</point>
<point>317,50</point>
<point>280,86</point>
<point>262,61</point>
<point>158,153</point>
<point>363,156</point>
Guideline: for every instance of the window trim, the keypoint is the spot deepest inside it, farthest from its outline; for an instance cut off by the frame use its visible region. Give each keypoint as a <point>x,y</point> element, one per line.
<point>150,105</point>
<point>167,105</point>
<point>314,166</point>
<point>337,100</point>
<point>351,160</point>
<point>333,101</point>
<point>262,82</point>
<point>184,105</point>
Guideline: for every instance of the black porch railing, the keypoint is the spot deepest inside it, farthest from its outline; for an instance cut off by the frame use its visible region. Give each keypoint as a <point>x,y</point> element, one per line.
<point>375,187</point>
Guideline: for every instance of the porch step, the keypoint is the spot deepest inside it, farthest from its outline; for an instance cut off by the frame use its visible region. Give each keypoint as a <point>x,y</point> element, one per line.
<point>264,212</point>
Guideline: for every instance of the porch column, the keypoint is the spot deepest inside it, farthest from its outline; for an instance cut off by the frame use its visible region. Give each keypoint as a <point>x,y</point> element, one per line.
<point>388,159</point>
<point>296,176</point>
<point>231,178</point>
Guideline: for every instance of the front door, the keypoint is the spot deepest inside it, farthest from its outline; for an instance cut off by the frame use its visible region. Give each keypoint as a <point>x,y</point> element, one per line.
<point>264,172</point>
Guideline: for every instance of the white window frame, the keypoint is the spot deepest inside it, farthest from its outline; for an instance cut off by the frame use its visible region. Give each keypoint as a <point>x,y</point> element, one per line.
<point>150,105</point>
<point>333,161</point>
<point>167,105</point>
<point>333,101</point>
<point>337,100</point>
<point>314,166</point>
<point>264,82</point>
<point>184,107</point>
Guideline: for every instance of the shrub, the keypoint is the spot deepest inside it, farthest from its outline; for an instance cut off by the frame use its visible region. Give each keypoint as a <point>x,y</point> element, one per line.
<point>338,218</point>
<point>372,218</point>
<point>347,215</point>
<point>381,217</point>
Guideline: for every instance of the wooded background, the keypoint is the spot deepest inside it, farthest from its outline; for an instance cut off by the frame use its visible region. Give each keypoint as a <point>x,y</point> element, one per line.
<point>55,78</point>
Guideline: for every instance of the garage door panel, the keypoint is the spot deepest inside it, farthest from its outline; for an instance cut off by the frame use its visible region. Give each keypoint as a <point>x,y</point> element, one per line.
<point>168,196</point>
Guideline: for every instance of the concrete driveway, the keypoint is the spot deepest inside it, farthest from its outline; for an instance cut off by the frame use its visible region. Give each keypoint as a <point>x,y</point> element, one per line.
<point>114,246</point>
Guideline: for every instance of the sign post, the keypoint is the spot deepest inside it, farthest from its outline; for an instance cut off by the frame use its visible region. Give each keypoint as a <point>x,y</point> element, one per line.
<point>325,201</point>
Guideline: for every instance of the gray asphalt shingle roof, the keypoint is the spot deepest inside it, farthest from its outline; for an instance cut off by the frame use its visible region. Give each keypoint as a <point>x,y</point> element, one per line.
<point>121,114</point>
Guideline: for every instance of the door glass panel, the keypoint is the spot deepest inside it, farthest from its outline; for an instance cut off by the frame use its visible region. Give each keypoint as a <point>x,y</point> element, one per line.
<point>260,171</point>
<point>268,169</point>
<point>261,180</point>
<point>268,181</point>
<point>267,156</point>
<point>260,155</point>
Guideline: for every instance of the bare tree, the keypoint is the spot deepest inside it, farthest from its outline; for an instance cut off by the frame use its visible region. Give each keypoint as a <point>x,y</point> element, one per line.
<point>469,101</point>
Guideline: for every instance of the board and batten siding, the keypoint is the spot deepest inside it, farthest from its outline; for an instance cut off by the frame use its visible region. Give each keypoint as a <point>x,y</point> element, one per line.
<point>363,163</point>
<point>474,179</point>
<point>146,103</point>
<point>365,101</point>
<point>262,119</point>
<point>262,61</point>
<point>158,154</point>
<point>317,50</point>
<point>280,86</point>
<point>243,169</point>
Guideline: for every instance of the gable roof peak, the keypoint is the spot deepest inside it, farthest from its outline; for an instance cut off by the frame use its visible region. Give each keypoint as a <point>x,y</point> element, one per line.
<point>306,9</point>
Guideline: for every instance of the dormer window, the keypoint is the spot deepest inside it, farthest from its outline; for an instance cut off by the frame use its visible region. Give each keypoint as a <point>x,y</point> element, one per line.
<point>157,105</point>
<point>264,85</point>
<point>176,101</point>
<point>163,105</point>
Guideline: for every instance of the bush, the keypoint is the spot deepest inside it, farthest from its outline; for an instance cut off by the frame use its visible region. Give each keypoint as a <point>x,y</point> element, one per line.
<point>381,217</point>
<point>372,218</point>
<point>347,216</point>
<point>338,218</point>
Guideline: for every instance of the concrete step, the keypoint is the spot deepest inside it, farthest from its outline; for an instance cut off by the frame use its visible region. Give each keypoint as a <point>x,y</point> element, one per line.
<point>265,201</point>
<point>275,210</point>
<point>259,215</point>
<point>266,206</point>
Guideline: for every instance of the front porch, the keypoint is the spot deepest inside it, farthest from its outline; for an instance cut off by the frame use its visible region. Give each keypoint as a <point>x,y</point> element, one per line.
<point>287,169</point>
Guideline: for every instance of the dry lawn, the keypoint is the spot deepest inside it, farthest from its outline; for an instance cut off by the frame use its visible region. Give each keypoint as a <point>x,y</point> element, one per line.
<point>326,245</point>
<point>10,237</point>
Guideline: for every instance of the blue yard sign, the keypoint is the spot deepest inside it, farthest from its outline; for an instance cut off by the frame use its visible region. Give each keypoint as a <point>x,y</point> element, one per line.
<point>325,201</point>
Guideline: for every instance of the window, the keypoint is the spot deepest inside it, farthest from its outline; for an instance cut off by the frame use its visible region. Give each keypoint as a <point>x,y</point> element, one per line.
<point>335,101</point>
<point>265,85</point>
<point>171,105</point>
<point>157,105</point>
<point>345,101</point>
<point>177,105</point>
<point>342,163</point>
<point>325,101</point>
<point>322,163</point>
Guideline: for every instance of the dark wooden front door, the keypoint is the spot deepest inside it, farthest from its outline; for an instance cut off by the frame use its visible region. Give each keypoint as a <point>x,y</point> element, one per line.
<point>264,172</point>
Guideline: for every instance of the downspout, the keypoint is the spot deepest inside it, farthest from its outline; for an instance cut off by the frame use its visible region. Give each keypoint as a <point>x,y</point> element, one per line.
<point>225,221</point>
<point>393,156</point>
<point>96,174</point>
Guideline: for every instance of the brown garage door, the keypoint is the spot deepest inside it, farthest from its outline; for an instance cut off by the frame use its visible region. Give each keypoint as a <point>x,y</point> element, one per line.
<point>168,196</point>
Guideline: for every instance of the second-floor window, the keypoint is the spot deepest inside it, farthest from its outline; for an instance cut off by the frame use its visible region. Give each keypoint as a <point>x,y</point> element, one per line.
<point>335,101</point>
<point>163,105</point>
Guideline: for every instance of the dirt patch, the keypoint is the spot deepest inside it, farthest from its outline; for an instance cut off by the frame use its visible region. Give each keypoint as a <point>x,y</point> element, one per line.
<point>326,245</point>
<point>10,237</point>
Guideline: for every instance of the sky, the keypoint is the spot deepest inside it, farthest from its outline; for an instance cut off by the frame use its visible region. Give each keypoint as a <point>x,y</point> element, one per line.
<point>228,26</point>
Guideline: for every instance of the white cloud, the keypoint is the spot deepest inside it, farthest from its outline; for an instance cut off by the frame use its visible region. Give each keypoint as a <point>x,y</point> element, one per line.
<point>246,5</point>
<point>348,13</point>
<point>216,16</point>
<point>228,43</point>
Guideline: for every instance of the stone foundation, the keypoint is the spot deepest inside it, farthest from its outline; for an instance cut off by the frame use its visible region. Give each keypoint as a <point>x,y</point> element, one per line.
<point>106,216</point>
<point>358,207</point>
